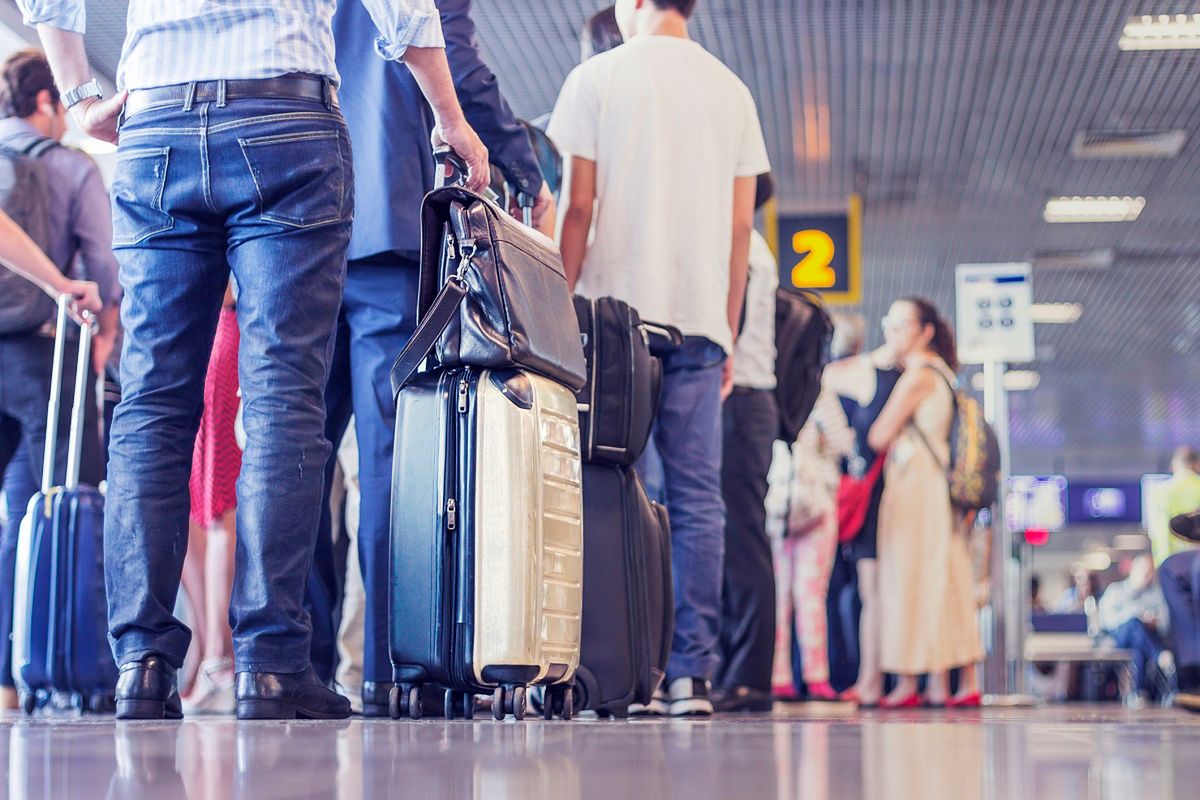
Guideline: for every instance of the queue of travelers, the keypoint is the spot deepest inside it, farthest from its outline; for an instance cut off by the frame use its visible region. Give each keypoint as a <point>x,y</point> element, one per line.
<point>264,222</point>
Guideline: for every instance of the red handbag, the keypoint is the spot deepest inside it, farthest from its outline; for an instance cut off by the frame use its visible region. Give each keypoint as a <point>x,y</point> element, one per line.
<point>854,500</point>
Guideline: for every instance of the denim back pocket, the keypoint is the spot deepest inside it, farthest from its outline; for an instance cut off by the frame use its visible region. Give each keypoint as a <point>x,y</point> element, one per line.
<point>137,195</point>
<point>299,177</point>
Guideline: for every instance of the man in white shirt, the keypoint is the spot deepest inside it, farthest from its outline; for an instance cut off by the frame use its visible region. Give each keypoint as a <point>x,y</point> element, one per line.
<point>664,147</point>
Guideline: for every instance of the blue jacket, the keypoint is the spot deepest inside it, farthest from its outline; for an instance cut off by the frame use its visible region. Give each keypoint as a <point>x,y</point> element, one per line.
<point>390,124</point>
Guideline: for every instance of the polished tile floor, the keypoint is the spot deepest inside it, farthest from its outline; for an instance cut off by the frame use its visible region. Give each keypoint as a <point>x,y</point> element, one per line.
<point>809,752</point>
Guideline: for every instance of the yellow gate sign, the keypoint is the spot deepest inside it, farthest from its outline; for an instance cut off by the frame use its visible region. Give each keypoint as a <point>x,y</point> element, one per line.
<point>822,252</point>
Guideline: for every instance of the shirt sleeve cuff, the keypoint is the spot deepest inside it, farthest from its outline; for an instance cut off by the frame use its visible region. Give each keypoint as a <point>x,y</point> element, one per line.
<point>72,19</point>
<point>423,30</point>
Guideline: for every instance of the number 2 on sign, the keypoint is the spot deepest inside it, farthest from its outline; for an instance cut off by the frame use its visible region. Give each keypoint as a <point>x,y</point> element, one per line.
<point>813,271</point>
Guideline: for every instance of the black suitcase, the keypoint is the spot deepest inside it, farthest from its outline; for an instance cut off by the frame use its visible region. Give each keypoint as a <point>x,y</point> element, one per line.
<point>628,593</point>
<point>624,379</point>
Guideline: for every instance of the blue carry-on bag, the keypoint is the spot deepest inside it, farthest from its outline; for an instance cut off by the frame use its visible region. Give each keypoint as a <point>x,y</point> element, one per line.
<point>60,613</point>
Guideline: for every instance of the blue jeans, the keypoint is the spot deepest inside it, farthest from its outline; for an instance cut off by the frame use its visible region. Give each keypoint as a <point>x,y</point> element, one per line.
<point>687,456</point>
<point>1179,577</point>
<point>1145,645</point>
<point>20,484</point>
<point>379,314</point>
<point>265,189</point>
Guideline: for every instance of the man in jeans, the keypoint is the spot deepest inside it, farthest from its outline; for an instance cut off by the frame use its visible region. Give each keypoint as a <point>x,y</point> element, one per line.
<point>667,139</point>
<point>233,157</point>
<point>77,223</point>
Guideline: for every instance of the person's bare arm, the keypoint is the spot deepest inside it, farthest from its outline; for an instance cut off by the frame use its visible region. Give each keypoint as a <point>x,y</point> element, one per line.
<point>19,253</point>
<point>580,191</point>
<point>69,62</point>
<point>739,257</point>
<point>913,387</point>
<point>432,73</point>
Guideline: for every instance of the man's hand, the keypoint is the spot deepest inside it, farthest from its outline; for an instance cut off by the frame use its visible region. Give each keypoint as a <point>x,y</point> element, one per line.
<point>102,349</point>
<point>85,296</point>
<point>98,118</point>
<point>545,211</point>
<point>727,379</point>
<point>467,144</point>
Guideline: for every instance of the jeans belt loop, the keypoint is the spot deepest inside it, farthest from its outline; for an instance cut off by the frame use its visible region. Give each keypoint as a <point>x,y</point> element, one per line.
<point>327,93</point>
<point>221,89</point>
<point>189,96</point>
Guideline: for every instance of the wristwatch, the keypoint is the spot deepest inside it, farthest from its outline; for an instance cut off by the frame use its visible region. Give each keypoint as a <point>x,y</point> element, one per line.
<point>82,92</point>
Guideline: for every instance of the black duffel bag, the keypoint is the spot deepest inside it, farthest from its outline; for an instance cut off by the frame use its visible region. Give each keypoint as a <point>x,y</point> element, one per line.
<point>492,293</point>
<point>624,378</point>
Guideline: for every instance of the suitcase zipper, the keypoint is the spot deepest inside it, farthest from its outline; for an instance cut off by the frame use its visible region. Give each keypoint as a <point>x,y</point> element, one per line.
<point>463,393</point>
<point>451,514</point>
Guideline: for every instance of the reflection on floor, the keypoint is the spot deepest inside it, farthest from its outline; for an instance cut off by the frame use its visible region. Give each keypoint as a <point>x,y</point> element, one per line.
<point>812,752</point>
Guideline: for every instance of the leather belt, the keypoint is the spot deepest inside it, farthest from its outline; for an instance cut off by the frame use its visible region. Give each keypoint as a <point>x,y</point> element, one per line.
<point>285,87</point>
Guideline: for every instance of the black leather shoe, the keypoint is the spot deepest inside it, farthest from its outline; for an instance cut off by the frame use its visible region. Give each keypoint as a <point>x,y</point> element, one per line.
<point>375,698</point>
<point>146,690</point>
<point>287,695</point>
<point>742,699</point>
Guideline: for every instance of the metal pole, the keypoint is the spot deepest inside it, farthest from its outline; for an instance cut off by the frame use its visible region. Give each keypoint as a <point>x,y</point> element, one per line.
<point>1006,668</point>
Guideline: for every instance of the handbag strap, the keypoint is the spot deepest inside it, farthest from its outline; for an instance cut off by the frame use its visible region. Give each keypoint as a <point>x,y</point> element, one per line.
<point>430,329</point>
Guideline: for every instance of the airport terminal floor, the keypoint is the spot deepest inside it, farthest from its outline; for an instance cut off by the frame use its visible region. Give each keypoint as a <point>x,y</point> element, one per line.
<point>813,751</point>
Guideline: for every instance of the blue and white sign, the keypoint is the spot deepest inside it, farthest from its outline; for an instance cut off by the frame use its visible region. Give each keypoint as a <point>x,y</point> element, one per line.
<point>994,319</point>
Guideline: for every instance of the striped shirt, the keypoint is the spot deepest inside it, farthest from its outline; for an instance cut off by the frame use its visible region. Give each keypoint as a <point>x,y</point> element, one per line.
<point>196,40</point>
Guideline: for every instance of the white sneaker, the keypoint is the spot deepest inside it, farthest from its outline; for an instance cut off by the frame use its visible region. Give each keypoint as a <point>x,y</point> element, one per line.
<point>690,698</point>
<point>213,691</point>
<point>658,706</point>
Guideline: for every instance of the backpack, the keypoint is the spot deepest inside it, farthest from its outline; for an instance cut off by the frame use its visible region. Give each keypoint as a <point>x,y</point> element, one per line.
<point>803,332</point>
<point>974,470</point>
<point>25,196</point>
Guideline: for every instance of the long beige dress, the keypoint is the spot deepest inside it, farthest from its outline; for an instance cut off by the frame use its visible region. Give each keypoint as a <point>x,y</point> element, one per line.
<point>927,597</point>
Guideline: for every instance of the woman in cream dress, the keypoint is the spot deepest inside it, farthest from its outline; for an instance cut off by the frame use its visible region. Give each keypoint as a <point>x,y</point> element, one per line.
<point>928,601</point>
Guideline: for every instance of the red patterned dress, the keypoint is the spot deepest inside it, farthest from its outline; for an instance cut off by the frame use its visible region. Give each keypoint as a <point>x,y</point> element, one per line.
<point>217,459</point>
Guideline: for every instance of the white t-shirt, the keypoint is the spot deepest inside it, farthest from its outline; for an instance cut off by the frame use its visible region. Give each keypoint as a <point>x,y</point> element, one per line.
<point>670,127</point>
<point>754,356</point>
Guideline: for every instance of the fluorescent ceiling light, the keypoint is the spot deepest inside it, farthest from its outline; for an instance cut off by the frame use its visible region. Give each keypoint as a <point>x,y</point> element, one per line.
<point>1055,313</point>
<point>1162,32</point>
<point>1015,380</point>
<point>1129,144</point>
<point>1074,260</point>
<point>1093,209</point>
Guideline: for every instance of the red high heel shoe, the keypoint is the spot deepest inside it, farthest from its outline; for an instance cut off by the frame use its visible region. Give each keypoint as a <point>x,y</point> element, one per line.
<point>914,700</point>
<point>822,692</point>
<point>972,700</point>
<point>852,696</point>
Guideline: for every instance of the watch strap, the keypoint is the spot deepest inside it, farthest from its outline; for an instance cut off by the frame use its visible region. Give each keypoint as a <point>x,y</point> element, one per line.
<point>80,93</point>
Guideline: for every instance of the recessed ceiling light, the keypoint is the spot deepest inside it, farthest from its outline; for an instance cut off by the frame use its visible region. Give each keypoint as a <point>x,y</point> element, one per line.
<point>1129,144</point>
<point>1015,380</point>
<point>1162,32</point>
<point>1055,313</point>
<point>1093,209</point>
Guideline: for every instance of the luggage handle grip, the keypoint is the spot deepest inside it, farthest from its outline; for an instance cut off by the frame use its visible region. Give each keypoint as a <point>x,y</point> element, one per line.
<point>452,168</point>
<point>75,444</point>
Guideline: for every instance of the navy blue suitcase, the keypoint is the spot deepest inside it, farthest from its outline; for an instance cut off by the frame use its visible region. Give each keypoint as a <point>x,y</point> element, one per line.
<point>60,614</point>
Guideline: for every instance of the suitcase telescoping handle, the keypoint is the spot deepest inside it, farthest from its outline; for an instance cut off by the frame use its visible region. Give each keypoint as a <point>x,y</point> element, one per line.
<point>75,451</point>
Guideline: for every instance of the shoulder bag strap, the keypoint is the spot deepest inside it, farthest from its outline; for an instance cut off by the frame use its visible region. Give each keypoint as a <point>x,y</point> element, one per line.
<point>435,323</point>
<point>954,409</point>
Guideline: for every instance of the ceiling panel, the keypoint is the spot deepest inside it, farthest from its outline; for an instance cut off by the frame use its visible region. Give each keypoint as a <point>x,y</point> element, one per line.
<point>954,121</point>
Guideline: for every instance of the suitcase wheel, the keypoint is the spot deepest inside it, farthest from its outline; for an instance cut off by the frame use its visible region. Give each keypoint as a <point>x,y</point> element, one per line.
<point>559,701</point>
<point>28,703</point>
<point>100,703</point>
<point>405,701</point>
<point>508,700</point>
<point>459,704</point>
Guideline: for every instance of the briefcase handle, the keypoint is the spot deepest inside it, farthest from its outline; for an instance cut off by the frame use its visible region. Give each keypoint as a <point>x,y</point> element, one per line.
<point>75,444</point>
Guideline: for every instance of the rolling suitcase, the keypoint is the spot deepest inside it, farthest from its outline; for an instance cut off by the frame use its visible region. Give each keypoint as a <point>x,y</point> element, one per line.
<point>487,542</point>
<point>628,595</point>
<point>60,609</point>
